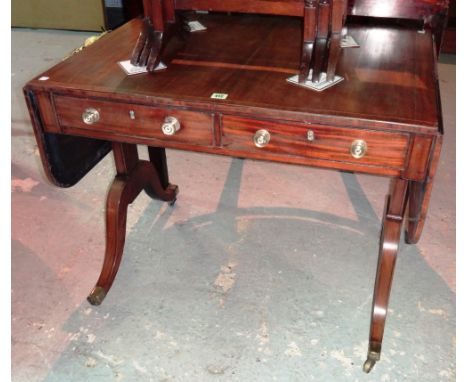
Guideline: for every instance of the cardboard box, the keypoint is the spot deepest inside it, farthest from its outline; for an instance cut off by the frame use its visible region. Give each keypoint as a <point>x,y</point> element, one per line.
<point>87,15</point>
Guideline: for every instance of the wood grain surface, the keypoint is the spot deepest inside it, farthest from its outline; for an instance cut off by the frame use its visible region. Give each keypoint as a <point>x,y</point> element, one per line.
<point>389,98</point>
<point>389,81</point>
<point>196,128</point>
<point>384,149</point>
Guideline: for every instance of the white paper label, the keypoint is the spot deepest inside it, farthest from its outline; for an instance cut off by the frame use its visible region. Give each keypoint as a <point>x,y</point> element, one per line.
<point>219,96</point>
<point>196,26</point>
<point>349,42</point>
<point>322,84</point>
<point>132,69</point>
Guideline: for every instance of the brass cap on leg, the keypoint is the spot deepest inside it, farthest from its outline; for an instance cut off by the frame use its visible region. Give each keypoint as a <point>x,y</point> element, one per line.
<point>368,365</point>
<point>372,358</point>
<point>97,295</point>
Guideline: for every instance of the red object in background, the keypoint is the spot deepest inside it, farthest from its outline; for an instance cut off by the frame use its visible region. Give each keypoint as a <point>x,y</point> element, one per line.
<point>132,8</point>
<point>450,35</point>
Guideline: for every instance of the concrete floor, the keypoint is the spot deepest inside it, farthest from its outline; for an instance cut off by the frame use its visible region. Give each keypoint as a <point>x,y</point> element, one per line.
<point>260,272</point>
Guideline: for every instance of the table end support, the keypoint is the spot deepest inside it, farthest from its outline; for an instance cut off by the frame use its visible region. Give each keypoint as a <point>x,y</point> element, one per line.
<point>97,295</point>
<point>389,242</point>
<point>133,176</point>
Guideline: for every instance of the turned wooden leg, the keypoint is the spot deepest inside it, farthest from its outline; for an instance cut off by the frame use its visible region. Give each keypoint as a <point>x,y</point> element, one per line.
<point>132,177</point>
<point>389,241</point>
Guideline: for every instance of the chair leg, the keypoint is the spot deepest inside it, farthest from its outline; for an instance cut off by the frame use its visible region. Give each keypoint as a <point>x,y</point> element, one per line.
<point>333,55</point>
<point>321,42</point>
<point>159,25</point>
<point>308,39</point>
<point>389,241</point>
<point>306,61</point>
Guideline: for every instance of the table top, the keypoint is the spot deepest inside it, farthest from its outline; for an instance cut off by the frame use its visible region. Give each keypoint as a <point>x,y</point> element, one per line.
<point>389,81</point>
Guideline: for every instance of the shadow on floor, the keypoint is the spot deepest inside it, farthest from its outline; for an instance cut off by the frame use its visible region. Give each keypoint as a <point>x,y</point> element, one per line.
<point>259,294</point>
<point>448,59</point>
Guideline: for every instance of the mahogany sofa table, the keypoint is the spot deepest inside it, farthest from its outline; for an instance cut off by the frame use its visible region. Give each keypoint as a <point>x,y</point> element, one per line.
<point>384,119</point>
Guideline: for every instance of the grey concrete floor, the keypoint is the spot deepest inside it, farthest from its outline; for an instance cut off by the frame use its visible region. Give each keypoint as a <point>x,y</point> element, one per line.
<point>260,272</point>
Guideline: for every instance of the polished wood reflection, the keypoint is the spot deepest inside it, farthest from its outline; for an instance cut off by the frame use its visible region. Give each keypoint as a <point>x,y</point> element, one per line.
<point>388,98</point>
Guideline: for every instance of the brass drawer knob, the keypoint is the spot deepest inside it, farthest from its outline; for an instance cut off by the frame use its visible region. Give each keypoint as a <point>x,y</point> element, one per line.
<point>90,116</point>
<point>170,126</point>
<point>261,138</point>
<point>358,148</point>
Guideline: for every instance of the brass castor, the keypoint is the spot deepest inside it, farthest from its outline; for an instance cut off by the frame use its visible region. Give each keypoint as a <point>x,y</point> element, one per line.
<point>176,191</point>
<point>372,357</point>
<point>97,295</point>
<point>368,365</point>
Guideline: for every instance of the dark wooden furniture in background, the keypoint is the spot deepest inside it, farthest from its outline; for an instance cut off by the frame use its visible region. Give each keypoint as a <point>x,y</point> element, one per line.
<point>449,41</point>
<point>431,13</point>
<point>383,119</point>
<point>323,21</point>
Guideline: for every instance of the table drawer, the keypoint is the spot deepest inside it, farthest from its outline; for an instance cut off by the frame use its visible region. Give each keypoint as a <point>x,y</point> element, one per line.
<point>317,142</point>
<point>133,120</point>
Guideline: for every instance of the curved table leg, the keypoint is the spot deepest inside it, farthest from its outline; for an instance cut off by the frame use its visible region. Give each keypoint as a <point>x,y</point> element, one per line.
<point>389,240</point>
<point>133,176</point>
<point>116,218</point>
<point>418,199</point>
<point>157,156</point>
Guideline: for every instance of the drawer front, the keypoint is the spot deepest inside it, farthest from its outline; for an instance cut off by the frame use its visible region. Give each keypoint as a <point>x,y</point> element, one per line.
<point>134,120</point>
<point>316,142</point>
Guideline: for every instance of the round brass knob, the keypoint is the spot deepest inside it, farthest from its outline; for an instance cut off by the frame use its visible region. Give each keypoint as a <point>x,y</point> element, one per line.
<point>261,138</point>
<point>90,116</point>
<point>170,126</point>
<point>358,148</point>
